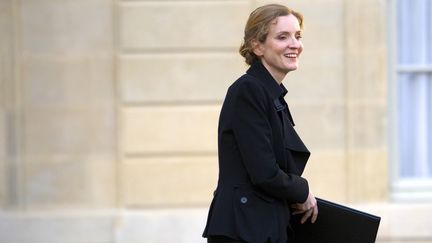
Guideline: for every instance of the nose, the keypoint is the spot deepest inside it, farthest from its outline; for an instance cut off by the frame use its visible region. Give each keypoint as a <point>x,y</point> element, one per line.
<point>294,43</point>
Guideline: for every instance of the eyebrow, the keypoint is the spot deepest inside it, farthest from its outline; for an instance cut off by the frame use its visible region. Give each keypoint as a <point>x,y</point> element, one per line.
<point>287,32</point>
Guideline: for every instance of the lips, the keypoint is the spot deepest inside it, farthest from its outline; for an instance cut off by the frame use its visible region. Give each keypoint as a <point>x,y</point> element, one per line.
<point>291,55</point>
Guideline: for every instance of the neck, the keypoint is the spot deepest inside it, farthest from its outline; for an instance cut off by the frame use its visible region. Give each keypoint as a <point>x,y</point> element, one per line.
<point>278,76</point>
<point>278,79</point>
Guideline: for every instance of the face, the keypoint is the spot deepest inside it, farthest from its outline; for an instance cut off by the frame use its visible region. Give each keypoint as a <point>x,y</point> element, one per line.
<point>281,49</point>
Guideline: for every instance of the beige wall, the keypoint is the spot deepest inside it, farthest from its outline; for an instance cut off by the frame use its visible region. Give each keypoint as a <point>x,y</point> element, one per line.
<point>6,108</point>
<point>108,114</point>
<point>3,64</point>
<point>60,104</point>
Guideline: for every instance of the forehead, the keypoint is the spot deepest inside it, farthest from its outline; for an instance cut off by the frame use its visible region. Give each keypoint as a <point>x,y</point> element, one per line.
<point>285,23</point>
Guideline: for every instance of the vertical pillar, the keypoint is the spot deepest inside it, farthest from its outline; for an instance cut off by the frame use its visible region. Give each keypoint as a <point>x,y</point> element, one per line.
<point>57,104</point>
<point>10,109</point>
<point>366,99</point>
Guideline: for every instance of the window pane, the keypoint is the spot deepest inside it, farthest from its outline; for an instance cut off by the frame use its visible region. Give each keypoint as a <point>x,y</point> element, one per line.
<point>403,32</point>
<point>414,46</point>
<point>415,88</point>
<point>414,125</point>
<point>429,122</point>
<point>406,168</point>
<point>429,31</point>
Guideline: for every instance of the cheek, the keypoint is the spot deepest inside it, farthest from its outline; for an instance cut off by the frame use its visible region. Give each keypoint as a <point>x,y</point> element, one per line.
<point>300,48</point>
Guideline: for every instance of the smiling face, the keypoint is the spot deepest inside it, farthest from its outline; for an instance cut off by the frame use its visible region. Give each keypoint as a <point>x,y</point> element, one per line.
<point>282,47</point>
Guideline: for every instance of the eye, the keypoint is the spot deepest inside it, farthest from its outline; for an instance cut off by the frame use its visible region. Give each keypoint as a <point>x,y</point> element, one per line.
<point>282,37</point>
<point>298,37</point>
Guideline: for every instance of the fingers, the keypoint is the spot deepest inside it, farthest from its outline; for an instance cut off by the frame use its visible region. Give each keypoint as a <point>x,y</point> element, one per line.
<point>307,205</point>
<point>301,206</point>
<point>311,213</point>
<point>298,212</point>
<point>298,207</point>
<point>309,208</point>
<point>314,214</point>
<point>306,216</point>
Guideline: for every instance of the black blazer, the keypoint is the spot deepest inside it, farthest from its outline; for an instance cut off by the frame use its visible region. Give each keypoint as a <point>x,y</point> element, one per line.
<point>261,158</point>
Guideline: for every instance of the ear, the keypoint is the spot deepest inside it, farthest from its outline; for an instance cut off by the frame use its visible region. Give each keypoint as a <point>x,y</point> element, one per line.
<point>257,48</point>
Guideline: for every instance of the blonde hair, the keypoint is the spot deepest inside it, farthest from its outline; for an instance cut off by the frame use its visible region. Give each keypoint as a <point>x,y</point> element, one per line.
<point>257,27</point>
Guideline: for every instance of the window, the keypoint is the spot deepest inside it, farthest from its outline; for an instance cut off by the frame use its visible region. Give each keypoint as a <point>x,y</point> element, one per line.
<point>412,97</point>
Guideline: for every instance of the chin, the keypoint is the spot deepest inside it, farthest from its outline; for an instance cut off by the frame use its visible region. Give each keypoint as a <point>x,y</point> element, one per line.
<point>292,68</point>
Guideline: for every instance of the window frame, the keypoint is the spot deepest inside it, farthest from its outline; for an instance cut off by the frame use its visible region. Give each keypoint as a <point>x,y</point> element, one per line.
<point>401,189</point>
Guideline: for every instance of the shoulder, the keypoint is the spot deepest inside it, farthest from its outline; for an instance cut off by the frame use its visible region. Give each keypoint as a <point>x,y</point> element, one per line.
<point>248,91</point>
<point>247,85</point>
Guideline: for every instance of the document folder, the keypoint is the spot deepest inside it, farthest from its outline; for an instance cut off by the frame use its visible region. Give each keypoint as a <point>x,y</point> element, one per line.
<point>336,224</point>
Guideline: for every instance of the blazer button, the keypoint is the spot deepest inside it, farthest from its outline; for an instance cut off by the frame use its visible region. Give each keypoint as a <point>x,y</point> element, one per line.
<point>243,200</point>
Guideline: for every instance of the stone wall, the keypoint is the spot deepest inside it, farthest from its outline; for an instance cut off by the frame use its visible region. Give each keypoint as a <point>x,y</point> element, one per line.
<point>109,109</point>
<point>59,115</point>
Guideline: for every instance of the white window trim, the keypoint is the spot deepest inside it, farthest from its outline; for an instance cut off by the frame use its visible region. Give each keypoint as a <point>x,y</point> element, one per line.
<point>414,68</point>
<point>401,190</point>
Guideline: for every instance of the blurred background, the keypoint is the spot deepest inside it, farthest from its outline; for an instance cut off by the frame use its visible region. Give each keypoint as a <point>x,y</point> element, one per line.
<point>109,110</point>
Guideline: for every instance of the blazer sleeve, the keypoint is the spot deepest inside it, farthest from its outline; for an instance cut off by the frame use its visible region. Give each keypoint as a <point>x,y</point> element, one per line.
<point>253,133</point>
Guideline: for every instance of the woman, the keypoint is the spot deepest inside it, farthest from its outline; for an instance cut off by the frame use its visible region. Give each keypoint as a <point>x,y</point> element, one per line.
<point>261,157</point>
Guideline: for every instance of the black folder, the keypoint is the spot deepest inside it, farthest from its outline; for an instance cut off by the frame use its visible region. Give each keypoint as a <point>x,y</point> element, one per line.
<point>336,224</point>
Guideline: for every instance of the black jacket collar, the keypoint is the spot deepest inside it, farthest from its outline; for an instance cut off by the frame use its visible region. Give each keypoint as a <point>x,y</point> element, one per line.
<point>258,70</point>
<point>276,91</point>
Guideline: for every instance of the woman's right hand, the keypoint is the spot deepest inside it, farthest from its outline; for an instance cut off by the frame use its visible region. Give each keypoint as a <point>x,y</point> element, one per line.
<point>309,208</point>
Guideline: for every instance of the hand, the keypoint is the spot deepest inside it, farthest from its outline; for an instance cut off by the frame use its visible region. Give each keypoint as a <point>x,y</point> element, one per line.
<point>309,208</point>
